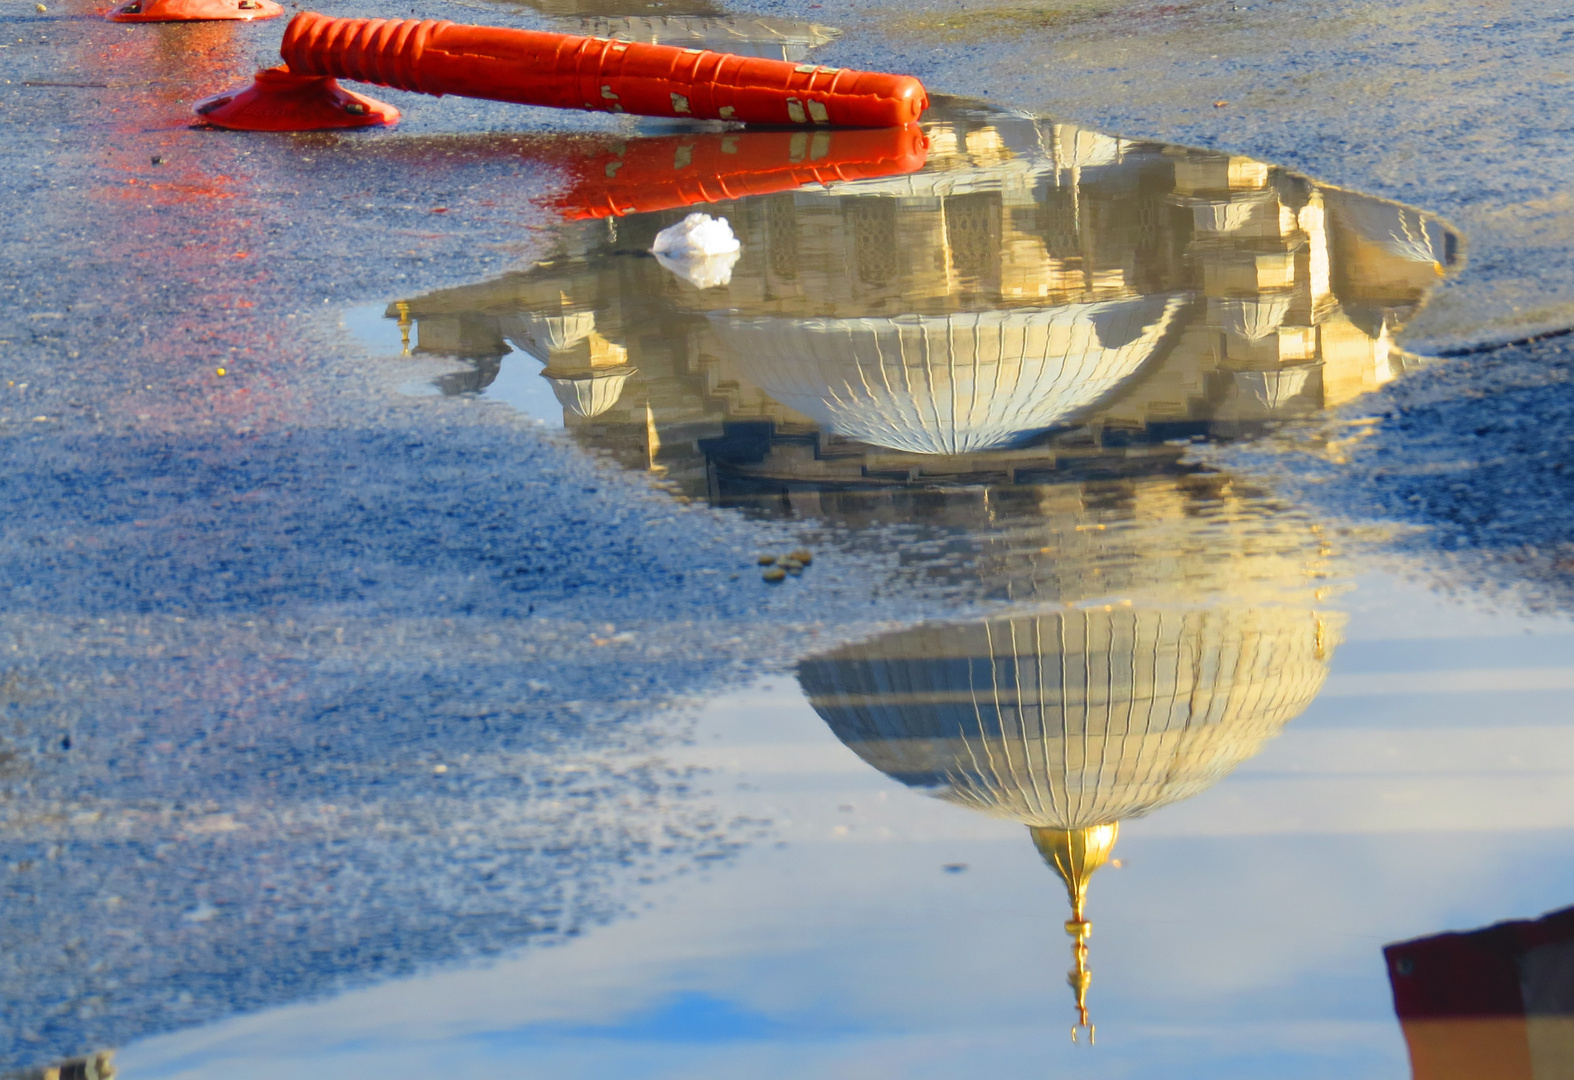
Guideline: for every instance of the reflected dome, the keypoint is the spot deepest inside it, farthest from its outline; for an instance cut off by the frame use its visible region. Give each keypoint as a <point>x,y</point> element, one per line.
<point>1402,231</point>
<point>1254,318</point>
<point>950,384</point>
<point>1077,718</point>
<point>541,335</point>
<point>1274,390</point>
<point>590,395</point>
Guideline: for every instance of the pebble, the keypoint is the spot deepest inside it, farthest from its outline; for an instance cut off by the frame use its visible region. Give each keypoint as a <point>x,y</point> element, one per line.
<point>767,560</point>
<point>775,574</point>
<point>802,556</point>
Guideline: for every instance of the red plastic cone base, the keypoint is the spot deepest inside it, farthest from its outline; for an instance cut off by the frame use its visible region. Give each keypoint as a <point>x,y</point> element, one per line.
<point>193,10</point>
<point>282,101</point>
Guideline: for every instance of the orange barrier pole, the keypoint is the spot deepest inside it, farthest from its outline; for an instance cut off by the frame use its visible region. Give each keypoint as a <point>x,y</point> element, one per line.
<point>683,170</point>
<point>530,67</point>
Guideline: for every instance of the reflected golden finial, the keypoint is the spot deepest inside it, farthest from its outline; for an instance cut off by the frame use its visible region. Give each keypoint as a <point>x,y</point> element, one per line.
<point>1075,854</point>
<point>404,327</point>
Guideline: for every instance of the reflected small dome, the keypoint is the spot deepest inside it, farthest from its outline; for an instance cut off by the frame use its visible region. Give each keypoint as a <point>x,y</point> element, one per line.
<point>1227,215</point>
<point>590,395</point>
<point>1274,390</point>
<point>1402,231</point>
<point>1254,318</point>
<point>542,335</point>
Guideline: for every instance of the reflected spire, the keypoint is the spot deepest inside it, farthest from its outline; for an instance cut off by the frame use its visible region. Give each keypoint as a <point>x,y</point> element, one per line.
<point>1074,854</point>
<point>652,441</point>
<point>1079,977</point>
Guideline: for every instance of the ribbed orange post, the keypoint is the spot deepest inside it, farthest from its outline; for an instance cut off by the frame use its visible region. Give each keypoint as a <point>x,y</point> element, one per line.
<point>531,67</point>
<point>566,71</point>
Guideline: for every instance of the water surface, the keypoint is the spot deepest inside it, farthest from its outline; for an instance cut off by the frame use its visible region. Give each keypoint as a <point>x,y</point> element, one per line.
<point>972,370</point>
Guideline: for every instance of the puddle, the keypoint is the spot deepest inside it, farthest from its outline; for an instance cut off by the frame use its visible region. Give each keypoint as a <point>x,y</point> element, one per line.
<point>991,356</point>
<point>967,371</point>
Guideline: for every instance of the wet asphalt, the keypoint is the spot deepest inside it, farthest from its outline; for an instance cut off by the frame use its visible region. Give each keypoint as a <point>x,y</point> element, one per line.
<point>274,631</point>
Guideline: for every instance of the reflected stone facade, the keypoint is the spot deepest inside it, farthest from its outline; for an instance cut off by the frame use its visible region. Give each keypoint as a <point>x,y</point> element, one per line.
<point>1037,298</point>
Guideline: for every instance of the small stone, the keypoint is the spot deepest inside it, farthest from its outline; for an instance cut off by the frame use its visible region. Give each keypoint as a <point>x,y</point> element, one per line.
<point>801,555</point>
<point>792,566</point>
<point>767,560</point>
<point>439,769</point>
<point>40,8</point>
<point>775,575</point>
<point>157,160</point>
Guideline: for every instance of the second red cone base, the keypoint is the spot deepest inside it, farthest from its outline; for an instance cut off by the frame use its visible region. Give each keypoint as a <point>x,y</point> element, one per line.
<point>281,101</point>
<point>193,10</point>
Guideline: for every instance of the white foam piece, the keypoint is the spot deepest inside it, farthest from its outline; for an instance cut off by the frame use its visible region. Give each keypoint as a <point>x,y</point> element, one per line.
<point>700,249</point>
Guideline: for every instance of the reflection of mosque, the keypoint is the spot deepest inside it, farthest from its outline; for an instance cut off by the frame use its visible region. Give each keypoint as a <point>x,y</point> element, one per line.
<point>1003,355</point>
